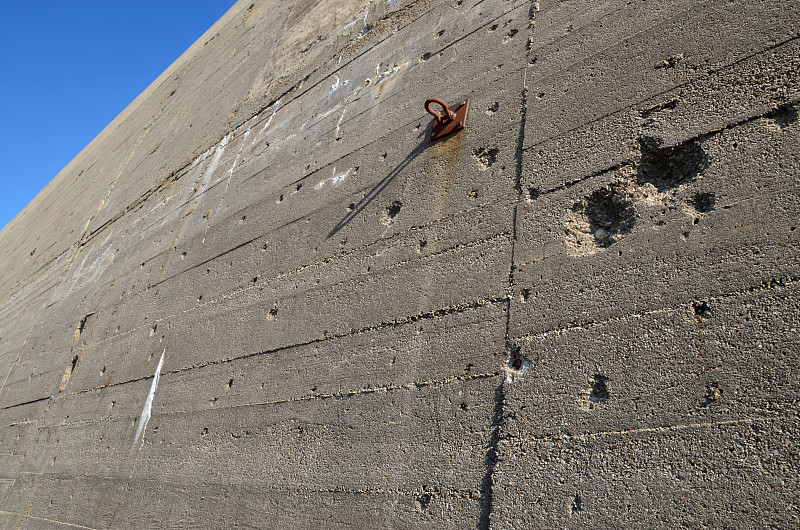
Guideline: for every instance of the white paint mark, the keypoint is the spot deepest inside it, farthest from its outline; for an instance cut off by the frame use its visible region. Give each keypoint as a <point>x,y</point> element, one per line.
<point>215,161</point>
<point>148,404</point>
<point>339,178</point>
<point>335,179</point>
<point>266,125</point>
<point>391,72</point>
<point>236,160</point>
<point>337,85</point>
<point>341,117</point>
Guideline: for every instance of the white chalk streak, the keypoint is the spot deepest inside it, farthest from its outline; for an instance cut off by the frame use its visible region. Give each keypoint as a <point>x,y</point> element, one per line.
<point>148,404</point>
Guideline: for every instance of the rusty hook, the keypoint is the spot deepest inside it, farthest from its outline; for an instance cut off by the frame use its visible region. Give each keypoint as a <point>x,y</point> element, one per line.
<point>440,118</point>
<point>450,120</point>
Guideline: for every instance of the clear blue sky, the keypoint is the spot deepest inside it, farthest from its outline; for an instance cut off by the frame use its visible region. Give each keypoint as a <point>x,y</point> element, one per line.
<point>69,67</point>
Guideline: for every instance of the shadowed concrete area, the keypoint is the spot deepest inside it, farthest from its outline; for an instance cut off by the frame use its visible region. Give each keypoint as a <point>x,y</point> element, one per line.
<point>262,297</point>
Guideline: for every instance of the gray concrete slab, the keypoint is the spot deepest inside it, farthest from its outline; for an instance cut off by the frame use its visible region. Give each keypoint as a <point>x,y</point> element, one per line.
<point>262,298</point>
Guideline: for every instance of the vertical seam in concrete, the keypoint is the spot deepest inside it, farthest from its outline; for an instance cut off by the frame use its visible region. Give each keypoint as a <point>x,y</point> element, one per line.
<point>491,457</point>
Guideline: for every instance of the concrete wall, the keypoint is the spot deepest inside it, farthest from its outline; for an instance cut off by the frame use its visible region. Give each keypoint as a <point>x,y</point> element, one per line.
<point>262,296</point>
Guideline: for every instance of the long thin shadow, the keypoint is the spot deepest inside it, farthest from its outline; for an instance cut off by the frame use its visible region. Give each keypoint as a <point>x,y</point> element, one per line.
<point>379,187</point>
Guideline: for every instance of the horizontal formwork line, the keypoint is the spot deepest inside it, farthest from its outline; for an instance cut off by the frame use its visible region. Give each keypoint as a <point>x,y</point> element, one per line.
<point>651,97</point>
<point>262,283</point>
<point>424,316</point>
<point>439,489</point>
<point>701,137</point>
<point>341,395</point>
<point>766,285</point>
<point>43,519</point>
<point>518,441</point>
<point>240,291</point>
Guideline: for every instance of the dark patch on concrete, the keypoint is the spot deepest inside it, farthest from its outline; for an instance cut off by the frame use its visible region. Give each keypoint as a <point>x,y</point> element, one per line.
<point>390,212</point>
<point>82,326</point>
<point>702,202</point>
<point>701,309</point>
<point>600,390</point>
<point>669,167</point>
<point>785,115</point>
<point>577,504</point>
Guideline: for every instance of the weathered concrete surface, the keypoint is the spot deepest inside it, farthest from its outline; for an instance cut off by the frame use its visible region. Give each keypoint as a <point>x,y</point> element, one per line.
<point>580,311</point>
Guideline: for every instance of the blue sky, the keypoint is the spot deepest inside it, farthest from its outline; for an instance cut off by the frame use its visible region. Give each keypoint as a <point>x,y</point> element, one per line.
<point>69,67</point>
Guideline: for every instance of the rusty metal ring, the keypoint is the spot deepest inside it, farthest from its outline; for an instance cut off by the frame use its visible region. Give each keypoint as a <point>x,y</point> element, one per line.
<point>439,117</point>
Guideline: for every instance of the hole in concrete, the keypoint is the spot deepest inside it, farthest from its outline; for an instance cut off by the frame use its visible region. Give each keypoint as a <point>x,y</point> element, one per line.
<point>351,207</point>
<point>82,326</point>
<point>577,504</point>
<point>68,373</point>
<point>494,107</point>
<point>669,167</point>
<point>702,202</point>
<point>391,212</point>
<point>230,384</point>
<point>669,63</point>
<point>785,115</point>
<point>272,313</point>
<point>600,391</point>
<point>517,361</point>
<point>438,34</point>
<point>701,309</point>
<point>713,394</point>
<point>280,199</point>
<point>183,255</point>
<point>524,295</point>
<point>485,157</point>
<point>493,27</point>
<point>153,329</point>
<point>609,214</point>
<point>425,57</point>
<point>510,35</point>
<point>422,244</point>
<point>297,187</point>
<point>204,432</point>
<point>533,194</point>
<point>422,499</point>
<point>473,194</point>
<point>599,220</point>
